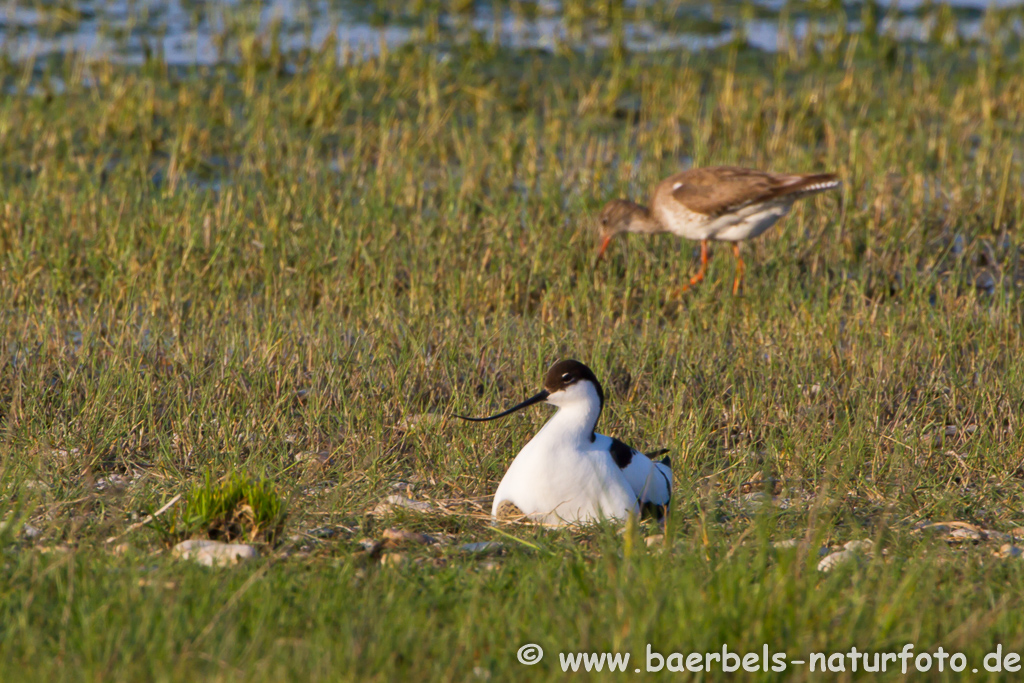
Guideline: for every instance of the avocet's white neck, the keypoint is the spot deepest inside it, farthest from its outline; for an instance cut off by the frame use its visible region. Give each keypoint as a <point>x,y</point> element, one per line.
<point>579,406</point>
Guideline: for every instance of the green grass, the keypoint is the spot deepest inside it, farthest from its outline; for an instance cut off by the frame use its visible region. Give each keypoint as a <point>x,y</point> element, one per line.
<point>230,509</point>
<point>299,274</point>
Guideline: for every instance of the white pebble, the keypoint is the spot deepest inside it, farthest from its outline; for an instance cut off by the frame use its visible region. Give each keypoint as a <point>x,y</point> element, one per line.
<point>214,553</point>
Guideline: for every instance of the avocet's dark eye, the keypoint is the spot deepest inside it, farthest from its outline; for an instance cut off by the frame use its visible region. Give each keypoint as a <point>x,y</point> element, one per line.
<point>567,377</point>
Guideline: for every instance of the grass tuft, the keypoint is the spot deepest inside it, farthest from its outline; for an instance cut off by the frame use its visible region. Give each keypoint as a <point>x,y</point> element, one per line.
<point>229,508</point>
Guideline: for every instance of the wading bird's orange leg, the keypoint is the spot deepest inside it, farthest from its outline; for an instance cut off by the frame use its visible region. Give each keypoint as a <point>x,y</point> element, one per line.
<point>740,268</point>
<point>703,266</point>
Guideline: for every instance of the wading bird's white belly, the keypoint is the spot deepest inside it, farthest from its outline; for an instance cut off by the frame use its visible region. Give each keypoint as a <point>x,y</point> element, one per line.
<point>553,482</point>
<point>743,223</point>
<point>751,224</point>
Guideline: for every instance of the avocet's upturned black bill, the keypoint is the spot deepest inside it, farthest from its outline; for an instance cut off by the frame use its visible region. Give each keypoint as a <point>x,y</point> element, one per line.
<point>570,473</point>
<point>536,398</point>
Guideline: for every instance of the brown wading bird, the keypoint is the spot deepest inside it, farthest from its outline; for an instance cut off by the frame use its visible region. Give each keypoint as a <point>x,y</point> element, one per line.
<point>723,203</point>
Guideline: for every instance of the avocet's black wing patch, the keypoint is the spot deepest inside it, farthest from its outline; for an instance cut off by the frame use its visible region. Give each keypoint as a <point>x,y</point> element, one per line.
<point>621,454</point>
<point>668,484</point>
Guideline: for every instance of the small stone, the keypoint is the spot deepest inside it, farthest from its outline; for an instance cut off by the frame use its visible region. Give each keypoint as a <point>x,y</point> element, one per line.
<point>655,541</point>
<point>121,549</point>
<point>395,501</point>
<point>395,537</point>
<point>1009,550</point>
<point>852,550</point>
<point>863,545</point>
<point>830,562</point>
<point>788,543</point>
<point>957,532</point>
<point>962,534</point>
<point>30,532</point>
<point>214,553</point>
<point>323,532</point>
<point>482,548</point>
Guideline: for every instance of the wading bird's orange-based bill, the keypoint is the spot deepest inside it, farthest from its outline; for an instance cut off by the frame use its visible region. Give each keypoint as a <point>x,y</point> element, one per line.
<point>724,203</point>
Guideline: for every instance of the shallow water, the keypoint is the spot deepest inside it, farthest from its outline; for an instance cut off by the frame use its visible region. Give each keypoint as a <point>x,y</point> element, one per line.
<point>190,33</point>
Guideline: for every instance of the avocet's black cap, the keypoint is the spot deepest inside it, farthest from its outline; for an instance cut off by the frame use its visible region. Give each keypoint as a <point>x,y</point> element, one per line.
<point>565,373</point>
